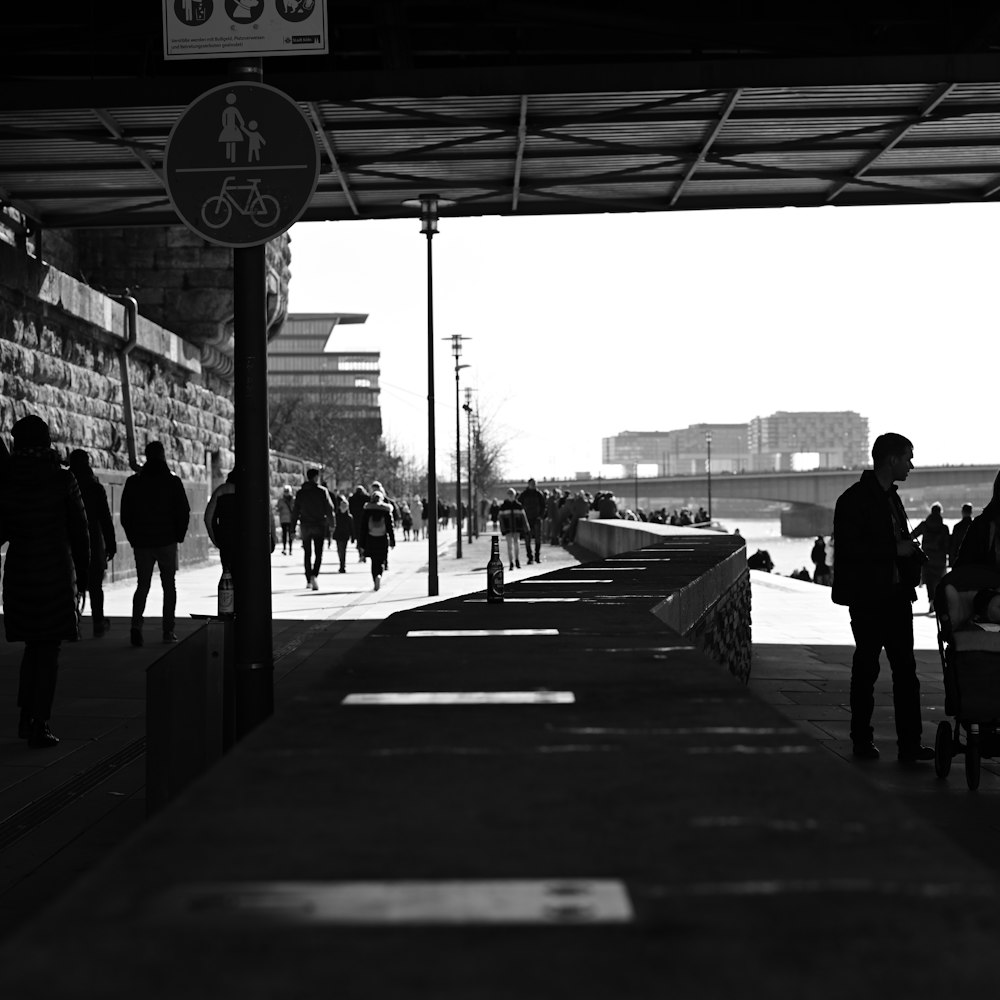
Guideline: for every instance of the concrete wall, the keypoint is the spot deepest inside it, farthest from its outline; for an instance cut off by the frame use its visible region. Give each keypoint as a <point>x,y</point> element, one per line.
<point>712,608</point>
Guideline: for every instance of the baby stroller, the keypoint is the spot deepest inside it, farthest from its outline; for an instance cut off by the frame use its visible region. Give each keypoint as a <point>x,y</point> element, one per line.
<point>970,660</point>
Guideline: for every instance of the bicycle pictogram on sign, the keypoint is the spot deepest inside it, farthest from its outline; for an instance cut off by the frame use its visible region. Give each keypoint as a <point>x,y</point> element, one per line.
<point>261,209</point>
<point>241,164</point>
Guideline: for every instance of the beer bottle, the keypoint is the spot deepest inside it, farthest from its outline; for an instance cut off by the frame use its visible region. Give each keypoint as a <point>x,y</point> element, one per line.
<point>226,595</point>
<point>494,575</point>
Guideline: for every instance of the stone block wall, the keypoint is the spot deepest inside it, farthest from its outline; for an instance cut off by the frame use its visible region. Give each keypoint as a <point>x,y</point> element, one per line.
<point>723,633</point>
<point>60,357</point>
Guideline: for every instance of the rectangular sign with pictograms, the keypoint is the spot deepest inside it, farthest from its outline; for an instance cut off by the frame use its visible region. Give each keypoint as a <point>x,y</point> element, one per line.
<point>207,29</point>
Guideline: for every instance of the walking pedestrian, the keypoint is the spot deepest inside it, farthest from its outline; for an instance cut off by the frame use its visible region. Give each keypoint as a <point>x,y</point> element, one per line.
<point>285,504</point>
<point>356,502</point>
<point>821,570</point>
<point>222,522</point>
<point>514,524</point>
<point>935,545</point>
<point>533,501</point>
<point>552,504</point>
<point>958,534</point>
<point>406,520</point>
<point>43,519</point>
<point>313,512</point>
<point>103,546</point>
<point>875,571</point>
<point>343,531</point>
<point>154,515</point>
<point>375,534</point>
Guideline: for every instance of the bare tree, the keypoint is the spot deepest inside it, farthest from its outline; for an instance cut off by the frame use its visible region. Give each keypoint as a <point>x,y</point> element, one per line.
<point>351,448</point>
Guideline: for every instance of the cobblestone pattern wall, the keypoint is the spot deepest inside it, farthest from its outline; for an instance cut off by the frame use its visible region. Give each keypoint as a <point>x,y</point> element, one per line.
<point>724,633</point>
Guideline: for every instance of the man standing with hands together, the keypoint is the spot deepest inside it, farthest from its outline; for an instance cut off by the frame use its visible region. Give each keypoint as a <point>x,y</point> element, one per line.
<point>876,568</point>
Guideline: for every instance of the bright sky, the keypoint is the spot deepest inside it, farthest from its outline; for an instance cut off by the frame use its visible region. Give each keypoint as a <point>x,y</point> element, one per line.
<point>584,326</point>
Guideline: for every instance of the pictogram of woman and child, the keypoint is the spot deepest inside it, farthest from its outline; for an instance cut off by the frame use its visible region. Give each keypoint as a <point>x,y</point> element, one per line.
<point>234,130</point>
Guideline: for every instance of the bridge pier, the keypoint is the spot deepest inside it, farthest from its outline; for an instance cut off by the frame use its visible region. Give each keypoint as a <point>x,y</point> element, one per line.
<point>806,520</point>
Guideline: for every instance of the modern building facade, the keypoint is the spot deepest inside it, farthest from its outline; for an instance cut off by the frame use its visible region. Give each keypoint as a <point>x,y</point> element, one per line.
<point>839,439</point>
<point>682,452</point>
<point>303,360</point>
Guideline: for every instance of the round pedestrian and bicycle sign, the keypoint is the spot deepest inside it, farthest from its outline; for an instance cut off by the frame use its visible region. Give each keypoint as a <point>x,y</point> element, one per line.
<point>241,164</point>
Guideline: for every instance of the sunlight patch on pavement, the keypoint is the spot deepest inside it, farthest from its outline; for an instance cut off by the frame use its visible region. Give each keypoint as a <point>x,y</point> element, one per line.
<point>461,633</point>
<point>487,901</point>
<point>460,698</point>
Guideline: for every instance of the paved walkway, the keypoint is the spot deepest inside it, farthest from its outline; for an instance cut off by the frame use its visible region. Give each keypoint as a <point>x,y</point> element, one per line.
<point>641,826</point>
<point>63,810</point>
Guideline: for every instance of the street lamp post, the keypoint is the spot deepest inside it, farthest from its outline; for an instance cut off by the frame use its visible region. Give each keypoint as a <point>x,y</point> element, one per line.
<point>456,350</point>
<point>708,470</point>
<point>429,204</point>
<point>468,437</point>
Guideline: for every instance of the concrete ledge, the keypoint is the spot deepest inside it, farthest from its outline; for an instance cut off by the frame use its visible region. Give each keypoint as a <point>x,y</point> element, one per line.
<point>55,288</point>
<point>688,604</point>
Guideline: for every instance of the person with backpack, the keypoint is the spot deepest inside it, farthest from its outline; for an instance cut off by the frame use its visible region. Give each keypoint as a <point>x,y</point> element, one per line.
<point>375,535</point>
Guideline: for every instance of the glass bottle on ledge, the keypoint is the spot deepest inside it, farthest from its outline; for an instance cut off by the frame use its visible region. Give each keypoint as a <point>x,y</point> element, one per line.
<point>494,574</point>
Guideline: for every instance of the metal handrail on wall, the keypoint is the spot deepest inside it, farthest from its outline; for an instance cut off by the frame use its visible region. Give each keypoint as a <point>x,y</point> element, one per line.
<point>132,335</point>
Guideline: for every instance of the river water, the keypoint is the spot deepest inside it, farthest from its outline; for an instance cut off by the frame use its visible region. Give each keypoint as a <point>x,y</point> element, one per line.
<point>788,554</point>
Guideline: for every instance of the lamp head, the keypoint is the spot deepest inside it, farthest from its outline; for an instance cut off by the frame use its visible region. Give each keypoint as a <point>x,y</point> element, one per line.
<point>429,205</point>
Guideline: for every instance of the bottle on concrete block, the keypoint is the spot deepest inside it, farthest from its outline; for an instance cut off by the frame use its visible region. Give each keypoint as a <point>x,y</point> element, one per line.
<point>494,575</point>
<point>227,601</point>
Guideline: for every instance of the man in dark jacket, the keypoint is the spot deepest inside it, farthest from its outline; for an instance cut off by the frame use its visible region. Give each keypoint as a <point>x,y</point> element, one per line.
<point>313,511</point>
<point>154,515</point>
<point>533,502</point>
<point>876,565</point>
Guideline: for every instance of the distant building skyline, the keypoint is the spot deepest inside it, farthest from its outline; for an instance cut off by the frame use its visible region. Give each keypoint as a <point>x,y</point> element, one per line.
<point>837,439</point>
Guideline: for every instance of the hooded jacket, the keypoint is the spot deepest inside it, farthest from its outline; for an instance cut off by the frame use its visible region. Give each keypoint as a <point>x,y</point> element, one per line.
<point>154,507</point>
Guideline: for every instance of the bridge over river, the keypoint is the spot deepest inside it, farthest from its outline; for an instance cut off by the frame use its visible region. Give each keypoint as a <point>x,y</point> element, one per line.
<point>811,495</point>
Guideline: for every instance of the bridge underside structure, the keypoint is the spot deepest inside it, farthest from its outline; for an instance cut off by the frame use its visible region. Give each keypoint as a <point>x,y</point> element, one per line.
<point>526,109</point>
<point>811,496</point>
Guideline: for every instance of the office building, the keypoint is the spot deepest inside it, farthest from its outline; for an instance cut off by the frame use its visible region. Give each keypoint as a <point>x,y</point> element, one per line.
<point>304,360</point>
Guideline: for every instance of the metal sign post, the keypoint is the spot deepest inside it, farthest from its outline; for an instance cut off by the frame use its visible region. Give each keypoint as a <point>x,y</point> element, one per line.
<point>241,166</point>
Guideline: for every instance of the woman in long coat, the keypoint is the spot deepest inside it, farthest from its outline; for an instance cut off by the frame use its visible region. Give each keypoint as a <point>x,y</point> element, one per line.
<point>42,517</point>
<point>102,536</point>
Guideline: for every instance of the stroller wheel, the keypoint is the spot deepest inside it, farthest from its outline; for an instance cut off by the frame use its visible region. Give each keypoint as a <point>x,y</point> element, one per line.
<point>972,761</point>
<point>942,750</point>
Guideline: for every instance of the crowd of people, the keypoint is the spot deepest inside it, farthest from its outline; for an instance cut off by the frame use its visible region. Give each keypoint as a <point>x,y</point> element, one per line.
<point>60,535</point>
